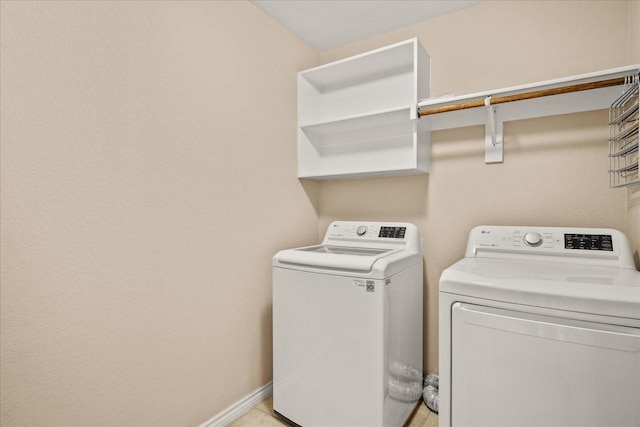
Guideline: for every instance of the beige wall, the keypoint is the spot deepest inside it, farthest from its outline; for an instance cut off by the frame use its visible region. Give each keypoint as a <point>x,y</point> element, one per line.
<point>555,169</point>
<point>148,176</point>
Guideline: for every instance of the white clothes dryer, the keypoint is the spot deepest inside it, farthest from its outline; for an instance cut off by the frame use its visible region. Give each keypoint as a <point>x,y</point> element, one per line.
<point>347,327</point>
<point>540,326</point>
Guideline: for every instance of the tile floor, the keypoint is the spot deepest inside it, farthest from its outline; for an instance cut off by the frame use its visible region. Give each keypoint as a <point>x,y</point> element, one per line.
<point>262,415</point>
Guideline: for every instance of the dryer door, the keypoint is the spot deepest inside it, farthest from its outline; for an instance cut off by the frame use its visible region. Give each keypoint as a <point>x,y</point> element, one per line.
<point>519,369</point>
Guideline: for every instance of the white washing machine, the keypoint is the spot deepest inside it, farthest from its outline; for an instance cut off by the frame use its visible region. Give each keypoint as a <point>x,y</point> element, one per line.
<point>541,327</point>
<point>347,327</point>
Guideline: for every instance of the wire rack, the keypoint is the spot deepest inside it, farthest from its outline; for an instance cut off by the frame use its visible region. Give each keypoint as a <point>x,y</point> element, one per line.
<point>623,136</point>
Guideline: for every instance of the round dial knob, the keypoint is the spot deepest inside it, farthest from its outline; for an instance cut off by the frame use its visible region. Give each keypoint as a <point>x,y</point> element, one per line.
<point>533,239</point>
<point>361,231</point>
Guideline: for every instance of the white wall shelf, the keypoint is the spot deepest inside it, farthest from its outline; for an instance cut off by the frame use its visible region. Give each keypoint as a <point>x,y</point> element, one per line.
<point>547,104</point>
<point>357,117</point>
<point>369,115</point>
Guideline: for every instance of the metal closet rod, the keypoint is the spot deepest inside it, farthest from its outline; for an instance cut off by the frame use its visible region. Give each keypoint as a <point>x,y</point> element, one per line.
<point>522,96</point>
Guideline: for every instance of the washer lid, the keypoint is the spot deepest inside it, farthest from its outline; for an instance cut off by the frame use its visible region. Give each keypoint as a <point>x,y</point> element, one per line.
<point>582,288</point>
<point>335,257</point>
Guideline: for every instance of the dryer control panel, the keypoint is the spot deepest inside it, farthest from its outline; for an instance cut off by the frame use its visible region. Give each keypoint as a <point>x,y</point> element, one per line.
<point>588,242</point>
<point>595,246</point>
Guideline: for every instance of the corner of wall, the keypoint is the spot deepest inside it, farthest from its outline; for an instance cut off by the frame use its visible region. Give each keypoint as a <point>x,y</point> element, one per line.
<point>633,53</point>
<point>633,194</point>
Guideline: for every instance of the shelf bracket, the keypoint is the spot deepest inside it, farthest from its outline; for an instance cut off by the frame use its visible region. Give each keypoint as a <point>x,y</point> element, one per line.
<point>493,138</point>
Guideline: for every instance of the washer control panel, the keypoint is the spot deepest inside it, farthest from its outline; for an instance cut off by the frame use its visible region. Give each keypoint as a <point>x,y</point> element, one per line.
<point>368,230</point>
<point>586,243</point>
<point>374,234</point>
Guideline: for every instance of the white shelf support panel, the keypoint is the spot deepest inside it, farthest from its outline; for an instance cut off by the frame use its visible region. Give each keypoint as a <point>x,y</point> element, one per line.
<point>585,92</point>
<point>493,147</point>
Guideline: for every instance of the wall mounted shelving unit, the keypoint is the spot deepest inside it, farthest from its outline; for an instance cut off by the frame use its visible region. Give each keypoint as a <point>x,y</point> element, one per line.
<point>358,117</point>
<point>370,115</point>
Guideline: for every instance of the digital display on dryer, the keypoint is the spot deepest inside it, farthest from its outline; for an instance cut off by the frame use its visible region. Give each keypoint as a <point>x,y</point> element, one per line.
<point>392,232</point>
<point>588,242</point>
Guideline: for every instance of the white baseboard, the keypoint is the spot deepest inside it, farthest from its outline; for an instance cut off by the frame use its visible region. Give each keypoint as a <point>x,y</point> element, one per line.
<point>241,407</point>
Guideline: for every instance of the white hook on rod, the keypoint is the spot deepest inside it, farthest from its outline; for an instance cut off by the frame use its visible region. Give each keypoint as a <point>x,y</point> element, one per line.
<point>491,119</point>
<point>493,149</point>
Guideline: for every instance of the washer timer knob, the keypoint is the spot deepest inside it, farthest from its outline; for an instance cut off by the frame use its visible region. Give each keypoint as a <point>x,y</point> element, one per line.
<point>533,239</point>
<point>361,231</point>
